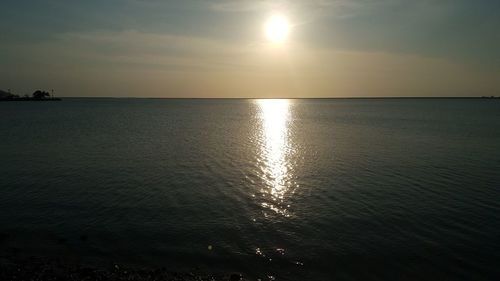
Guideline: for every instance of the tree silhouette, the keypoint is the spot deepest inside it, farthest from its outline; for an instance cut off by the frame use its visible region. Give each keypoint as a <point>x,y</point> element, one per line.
<point>40,95</point>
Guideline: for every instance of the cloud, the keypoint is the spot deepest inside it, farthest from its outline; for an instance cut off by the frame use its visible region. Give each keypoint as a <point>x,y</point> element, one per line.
<point>133,49</point>
<point>131,63</point>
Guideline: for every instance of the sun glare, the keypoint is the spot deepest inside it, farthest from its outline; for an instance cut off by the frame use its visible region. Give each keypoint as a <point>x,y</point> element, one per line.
<point>277,29</point>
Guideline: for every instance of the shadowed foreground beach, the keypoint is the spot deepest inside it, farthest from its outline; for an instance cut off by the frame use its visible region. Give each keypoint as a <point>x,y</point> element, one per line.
<point>44,269</point>
<point>19,261</point>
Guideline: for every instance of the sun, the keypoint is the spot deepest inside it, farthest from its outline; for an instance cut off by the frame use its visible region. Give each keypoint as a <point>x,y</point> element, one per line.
<point>277,29</point>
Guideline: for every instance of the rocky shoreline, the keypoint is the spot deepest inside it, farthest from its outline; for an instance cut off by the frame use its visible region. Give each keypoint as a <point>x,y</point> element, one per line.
<point>44,269</point>
<point>18,261</point>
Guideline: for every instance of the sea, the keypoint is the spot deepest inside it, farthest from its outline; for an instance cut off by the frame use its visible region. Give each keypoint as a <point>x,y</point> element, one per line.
<point>274,189</point>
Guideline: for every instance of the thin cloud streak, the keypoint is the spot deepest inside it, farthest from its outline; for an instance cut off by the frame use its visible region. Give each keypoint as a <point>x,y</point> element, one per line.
<point>249,5</point>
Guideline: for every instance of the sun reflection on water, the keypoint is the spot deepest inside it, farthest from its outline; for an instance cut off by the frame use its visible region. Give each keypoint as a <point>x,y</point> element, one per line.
<point>275,149</point>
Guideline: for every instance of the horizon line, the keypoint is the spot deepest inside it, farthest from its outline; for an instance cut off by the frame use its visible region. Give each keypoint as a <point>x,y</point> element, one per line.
<point>291,98</point>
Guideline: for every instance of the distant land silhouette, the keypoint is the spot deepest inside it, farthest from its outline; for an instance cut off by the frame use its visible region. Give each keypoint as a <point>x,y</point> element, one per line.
<point>38,95</point>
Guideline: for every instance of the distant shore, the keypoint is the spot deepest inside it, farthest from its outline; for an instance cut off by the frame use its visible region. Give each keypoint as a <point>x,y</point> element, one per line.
<point>37,95</point>
<point>30,99</point>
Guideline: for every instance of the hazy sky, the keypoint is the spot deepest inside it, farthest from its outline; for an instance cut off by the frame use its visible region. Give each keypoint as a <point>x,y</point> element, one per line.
<point>195,48</point>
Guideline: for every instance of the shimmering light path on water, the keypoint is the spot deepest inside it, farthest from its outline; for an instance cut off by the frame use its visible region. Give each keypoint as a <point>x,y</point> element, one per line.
<point>276,150</point>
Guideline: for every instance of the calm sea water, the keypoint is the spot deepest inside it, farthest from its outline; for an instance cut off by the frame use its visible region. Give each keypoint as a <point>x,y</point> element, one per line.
<point>286,189</point>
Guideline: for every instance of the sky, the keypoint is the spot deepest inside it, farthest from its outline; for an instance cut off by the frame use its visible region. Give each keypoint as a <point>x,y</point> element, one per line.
<point>196,48</point>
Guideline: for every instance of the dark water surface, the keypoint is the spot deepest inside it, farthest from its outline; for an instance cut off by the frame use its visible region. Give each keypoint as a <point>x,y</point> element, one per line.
<point>297,190</point>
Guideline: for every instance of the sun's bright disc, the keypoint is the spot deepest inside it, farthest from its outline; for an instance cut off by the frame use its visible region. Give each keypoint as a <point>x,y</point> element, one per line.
<point>277,29</point>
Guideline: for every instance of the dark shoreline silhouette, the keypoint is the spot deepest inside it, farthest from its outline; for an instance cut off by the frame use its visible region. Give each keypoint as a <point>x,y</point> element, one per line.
<point>29,99</point>
<point>38,95</point>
